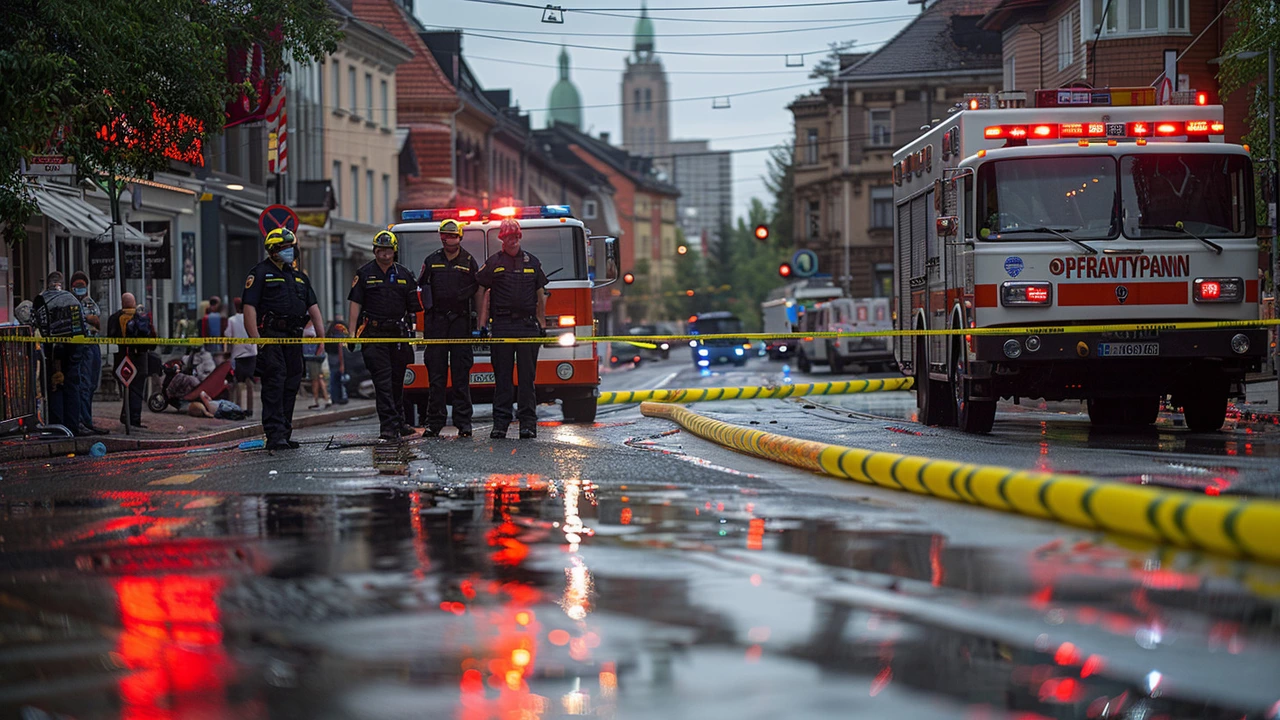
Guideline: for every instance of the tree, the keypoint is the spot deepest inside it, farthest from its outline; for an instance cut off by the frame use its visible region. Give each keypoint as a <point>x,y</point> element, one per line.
<point>116,83</point>
<point>782,183</point>
<point>753,269</point>
<point>829,66</point>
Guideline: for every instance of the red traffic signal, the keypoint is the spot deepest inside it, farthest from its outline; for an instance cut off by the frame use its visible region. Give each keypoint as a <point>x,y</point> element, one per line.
<point>762,232</point>
<point>784,270</point>
<point>628,278</point>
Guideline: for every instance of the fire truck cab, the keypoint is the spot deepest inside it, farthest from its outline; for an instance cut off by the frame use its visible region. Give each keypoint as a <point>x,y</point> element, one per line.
<point>575,263</point>
<point>1095,207</point>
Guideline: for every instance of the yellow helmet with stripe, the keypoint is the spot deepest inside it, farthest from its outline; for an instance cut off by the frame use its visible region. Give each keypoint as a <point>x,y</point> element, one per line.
<point>451,227</point>
<point>279,239</point>
<point>386,239</point>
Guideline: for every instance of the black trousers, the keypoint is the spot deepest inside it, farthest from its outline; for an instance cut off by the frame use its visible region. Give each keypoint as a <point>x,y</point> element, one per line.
<point>386,363</point>
<point>522,357</point>
<point>280,367</point>
<point>443,361</point>
<point>64,397</point>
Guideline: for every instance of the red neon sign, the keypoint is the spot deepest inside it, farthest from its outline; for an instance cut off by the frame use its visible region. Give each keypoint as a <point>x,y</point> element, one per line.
<point>175,136</point>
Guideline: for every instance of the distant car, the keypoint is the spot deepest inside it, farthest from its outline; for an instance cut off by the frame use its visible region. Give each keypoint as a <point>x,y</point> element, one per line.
<point>780,349</point>
<point>662,348</point>
<point>622,353</point>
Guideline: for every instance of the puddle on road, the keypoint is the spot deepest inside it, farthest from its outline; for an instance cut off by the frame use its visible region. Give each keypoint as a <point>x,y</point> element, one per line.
<point>530,597</point>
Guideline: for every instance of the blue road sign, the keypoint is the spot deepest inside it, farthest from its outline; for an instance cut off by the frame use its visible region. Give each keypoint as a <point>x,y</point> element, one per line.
<point>804,263</point>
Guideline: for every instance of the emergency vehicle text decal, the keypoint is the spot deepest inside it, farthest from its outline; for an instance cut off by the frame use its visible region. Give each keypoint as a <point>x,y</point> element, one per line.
<point>1127,266</point>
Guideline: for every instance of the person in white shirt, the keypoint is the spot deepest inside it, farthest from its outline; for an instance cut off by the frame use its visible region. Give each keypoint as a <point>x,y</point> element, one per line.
<point>244,359</point>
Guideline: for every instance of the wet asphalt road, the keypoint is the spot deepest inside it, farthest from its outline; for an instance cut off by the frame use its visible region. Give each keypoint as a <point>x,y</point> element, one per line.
<point>625,570</point>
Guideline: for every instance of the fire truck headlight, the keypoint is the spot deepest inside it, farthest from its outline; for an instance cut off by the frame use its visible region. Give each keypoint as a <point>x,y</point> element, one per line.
<point>567,340</point>
<point>1033,343</point>
<point>564,370</point>
<point>1240,343</point>
<point>1012,349</point>
<point>1014,294</point>
<point>409,376</point>
<point>1218,290</point>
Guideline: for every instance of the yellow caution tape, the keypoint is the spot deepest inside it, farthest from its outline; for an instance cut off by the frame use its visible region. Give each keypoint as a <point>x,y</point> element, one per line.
<point>1235,527</point>
<point>643,340</point>
<point>761,392</point>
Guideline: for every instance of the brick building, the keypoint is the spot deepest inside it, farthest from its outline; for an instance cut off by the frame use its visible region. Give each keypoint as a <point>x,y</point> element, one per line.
<point>1055,43</point>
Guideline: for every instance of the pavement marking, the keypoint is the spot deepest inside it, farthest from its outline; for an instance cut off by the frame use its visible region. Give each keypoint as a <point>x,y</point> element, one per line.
<point>185,479</point>
<point>1231,526</point>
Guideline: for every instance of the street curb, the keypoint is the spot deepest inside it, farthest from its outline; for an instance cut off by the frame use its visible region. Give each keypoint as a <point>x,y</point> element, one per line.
<point>1225,526</point>
<point>756,392</point>
<point>81,445</point>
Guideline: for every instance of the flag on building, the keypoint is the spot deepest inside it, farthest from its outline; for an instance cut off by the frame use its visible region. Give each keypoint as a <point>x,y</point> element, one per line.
<point>278,129</point>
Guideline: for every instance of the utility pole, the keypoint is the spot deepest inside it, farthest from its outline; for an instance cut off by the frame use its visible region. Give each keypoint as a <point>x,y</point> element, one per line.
<point>1274,208</point>
<point>846,200</point>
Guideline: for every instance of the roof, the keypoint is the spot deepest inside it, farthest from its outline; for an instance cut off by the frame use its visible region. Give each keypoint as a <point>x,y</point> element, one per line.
<point>421,87</point>
<point>635,168</point>
<point>944,40</point>
<point>431,185</point>
<point>1010,12</point>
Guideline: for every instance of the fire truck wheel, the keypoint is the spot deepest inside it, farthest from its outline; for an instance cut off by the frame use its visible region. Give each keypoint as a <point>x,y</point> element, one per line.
<point>837,364</point>
<point>578,410</point>
<point>972,416</point>
<point>1205,407</point>
<point>931,397</point>
<point>1144,410</point>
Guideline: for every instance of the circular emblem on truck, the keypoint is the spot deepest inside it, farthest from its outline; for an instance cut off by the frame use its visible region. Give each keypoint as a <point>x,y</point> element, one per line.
<point>1122,294</point>
<point>1055,266</point>
<point>1013,266</point>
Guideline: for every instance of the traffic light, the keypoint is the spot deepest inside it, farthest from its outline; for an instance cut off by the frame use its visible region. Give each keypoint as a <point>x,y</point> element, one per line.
<point>784,270</point>
<point>628,279</point>
<point>689,293</point>
<point>762,232</point>
<point>682,249</point>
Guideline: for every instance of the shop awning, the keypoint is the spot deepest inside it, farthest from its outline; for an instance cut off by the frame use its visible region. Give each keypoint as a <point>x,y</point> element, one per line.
<point>81,219</point>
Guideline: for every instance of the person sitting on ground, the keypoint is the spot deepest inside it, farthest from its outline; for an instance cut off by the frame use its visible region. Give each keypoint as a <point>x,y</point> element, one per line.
<point>207,407</point>
<point>180,385</point>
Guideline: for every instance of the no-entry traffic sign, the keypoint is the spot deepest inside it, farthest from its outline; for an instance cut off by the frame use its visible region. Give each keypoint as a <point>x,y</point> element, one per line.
<point>278,216</point>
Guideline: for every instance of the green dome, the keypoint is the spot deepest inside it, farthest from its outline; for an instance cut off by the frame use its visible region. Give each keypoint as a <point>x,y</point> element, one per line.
<point>565,103</point>
<point>644,34</point>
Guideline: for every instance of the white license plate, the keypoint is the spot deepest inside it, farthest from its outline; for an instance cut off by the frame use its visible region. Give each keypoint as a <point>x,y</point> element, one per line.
<point>1128,349</point>
<point>479,349</point>
<point>481,378</point>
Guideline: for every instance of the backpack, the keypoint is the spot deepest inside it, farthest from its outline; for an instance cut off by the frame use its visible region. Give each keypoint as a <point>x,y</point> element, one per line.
<point>139,325</point>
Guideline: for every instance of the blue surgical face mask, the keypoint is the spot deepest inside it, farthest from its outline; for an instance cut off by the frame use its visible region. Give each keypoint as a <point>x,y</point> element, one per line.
<point>80,291</point>
<point>286,255</point>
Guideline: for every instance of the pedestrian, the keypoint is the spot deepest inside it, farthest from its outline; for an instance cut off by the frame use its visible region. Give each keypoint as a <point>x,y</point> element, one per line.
<point>212,325</point>
<point>244,359</point>
<point>514,299</point>
<point>58,314</point>
<point>277,301</point>
<point>317,372</point>
<point>384,299</point>
<point>337,361</point>
<point>90,355</point>
<point>452,298</point>
<point>131,321</point>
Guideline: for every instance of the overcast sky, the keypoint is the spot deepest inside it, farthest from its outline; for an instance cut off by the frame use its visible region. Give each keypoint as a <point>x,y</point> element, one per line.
<point>751,121</point>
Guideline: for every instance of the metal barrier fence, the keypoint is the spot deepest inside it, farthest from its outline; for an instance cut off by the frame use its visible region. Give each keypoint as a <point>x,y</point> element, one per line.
<point>19,383</point>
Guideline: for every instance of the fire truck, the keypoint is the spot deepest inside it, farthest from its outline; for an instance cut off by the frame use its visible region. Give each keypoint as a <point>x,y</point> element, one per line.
<point>575,263</point>
<point>1092,207</point>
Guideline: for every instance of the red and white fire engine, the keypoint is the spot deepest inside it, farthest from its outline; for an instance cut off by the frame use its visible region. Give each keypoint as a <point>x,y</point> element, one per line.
<point>575,263</point>
<point>1094,207</point>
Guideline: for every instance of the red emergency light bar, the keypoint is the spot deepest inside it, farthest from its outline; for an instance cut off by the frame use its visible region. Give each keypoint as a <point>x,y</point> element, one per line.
<point>1084,130</point>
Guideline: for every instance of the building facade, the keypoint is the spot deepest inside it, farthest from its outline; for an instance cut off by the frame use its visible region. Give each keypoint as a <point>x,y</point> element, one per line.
<point>705,180</point>
<point>844,162</point>
<point>1059,43</point>
<point>646,123</point>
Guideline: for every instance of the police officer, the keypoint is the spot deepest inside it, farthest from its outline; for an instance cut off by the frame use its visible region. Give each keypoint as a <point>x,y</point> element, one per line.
<point>514,280</point>
<point>388,296</point>
<point>451,294</point>
<point>277,301</point>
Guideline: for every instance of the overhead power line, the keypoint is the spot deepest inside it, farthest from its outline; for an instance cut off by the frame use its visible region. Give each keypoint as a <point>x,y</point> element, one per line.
<point>721,21</point>
<point>542,33</point>
<point>678,8</point>
<point>664,52</point>
<point>811,83</point>
<point>615,71</point>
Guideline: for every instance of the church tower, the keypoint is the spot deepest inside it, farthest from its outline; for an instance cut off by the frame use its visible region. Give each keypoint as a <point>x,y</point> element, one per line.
<point>565,102</point>
<point>645,115</point>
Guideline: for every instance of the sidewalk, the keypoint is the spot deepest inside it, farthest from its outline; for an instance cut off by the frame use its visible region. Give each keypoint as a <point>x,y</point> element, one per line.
<point>171,429</point>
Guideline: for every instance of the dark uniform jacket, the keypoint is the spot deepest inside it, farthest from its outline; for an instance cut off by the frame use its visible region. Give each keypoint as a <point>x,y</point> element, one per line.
<point>514,282</point>
<point>282,296</point>
<point>448,286</point>
<point>386,299</point>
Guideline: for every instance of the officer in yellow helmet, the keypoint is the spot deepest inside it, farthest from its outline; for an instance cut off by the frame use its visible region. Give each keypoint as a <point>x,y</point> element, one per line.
<point>384,304</point>
<point>278,299</point>
<point>452,299</point>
